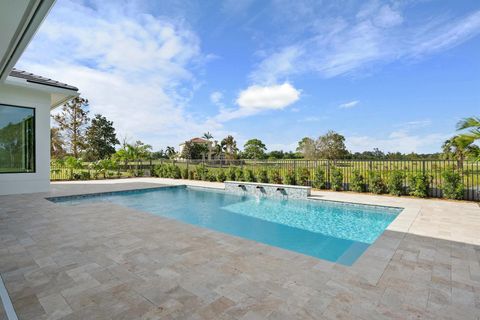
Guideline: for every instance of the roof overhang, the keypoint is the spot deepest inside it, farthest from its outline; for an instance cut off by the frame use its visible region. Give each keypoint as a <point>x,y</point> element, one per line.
<point>58,96</point>
<point>19,20</point>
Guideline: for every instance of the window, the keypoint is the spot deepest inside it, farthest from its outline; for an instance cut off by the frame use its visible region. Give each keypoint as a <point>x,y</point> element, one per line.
<point>17,139</point>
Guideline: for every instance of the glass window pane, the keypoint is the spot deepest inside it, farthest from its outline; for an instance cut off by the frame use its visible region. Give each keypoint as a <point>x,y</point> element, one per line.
<point>17,139</point>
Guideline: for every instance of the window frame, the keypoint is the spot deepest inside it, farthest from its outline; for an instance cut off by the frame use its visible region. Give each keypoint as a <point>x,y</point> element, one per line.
<point>34,169</point>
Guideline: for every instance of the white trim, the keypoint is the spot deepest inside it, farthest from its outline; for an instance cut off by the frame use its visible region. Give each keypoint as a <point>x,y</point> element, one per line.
<point>7,303</point>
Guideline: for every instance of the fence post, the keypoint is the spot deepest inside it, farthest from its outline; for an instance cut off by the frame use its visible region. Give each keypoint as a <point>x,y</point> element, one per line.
<point>151,167</point>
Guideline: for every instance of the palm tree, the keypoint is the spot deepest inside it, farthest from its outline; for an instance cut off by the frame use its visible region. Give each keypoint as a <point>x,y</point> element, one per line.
<point>473,126</point>
<point>459,148</point>
<point>170,152</point>
<point>207,135</point>
<point>229,146</point>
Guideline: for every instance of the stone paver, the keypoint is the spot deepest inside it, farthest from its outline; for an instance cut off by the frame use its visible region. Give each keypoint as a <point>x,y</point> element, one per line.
<point>103,261</point>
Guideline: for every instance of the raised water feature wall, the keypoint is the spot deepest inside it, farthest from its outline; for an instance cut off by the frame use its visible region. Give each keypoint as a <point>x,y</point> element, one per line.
<point>268,190</point>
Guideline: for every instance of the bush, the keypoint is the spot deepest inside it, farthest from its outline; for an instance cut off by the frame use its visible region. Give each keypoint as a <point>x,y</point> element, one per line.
<point>377,185</point>
<point>303,176</point>
<point>175,172</point>
<point>85,175</point>
<point>319,178</point>
<point>221,177</point>
<point>358,182</point>
<point>239,175</point>
<point>274,176</point>
<point>418,185</point>
<point>184,173</point>
<point>191,174</point>
<point>211,177</point>
<point>395,183</point>
<point>262,176</point>
<point>202,172</point>
<point>337,179</point>
<point>161,171</point>
<point>230,173</point>
<point>290,178</point>
<point>249,176</point>
<point>452,185</point>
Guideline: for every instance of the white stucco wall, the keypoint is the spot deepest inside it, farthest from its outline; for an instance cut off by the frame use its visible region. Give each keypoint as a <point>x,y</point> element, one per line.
<point>38,181</point>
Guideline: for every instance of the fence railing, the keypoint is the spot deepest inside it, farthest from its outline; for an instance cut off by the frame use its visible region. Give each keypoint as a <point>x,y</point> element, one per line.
<point>469,171</point>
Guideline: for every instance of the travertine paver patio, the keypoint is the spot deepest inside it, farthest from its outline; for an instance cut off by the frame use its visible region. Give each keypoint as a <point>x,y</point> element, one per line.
<point>103,261</point>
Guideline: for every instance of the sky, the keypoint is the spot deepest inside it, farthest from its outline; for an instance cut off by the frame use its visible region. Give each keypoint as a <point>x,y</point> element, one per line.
<point>394,75</point>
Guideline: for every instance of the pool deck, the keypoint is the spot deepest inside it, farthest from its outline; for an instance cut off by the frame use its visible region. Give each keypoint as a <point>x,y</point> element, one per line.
<point>103,261</point>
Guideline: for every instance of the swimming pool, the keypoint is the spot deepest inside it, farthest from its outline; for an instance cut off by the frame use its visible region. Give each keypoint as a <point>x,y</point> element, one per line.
<point>334,231</point>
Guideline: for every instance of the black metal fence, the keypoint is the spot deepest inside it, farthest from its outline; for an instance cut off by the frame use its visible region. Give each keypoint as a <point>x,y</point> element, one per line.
<point>469,171</point>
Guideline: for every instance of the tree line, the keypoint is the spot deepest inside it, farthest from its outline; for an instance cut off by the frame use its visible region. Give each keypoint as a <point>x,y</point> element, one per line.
<point>75,135</point>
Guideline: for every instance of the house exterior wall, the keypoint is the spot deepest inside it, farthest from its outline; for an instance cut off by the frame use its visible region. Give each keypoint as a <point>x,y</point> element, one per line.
<point>38,181</point>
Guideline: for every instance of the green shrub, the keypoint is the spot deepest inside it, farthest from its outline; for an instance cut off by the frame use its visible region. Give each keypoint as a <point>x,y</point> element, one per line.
<point>161,170</point>
<point>239,175</point>
<point>262,176</point>
<point>274,176</point>
<point>221,177</point>
<point>452,185</point>
<point>358,182</point>
<point>85,175</point>
<point>248,175</point>
<point>175,172</point>
<point>290,177</point>
<point>191,174</point>
<point>202,172</point>
<point>303,176</point>
<point>319,178</point>
<point>418,185</point>
<point>211,176</point>
<point>377,185</point>
<point>395,183</point>
<point>337,179</point>
<point>184,173</point>
<point>230,173</point>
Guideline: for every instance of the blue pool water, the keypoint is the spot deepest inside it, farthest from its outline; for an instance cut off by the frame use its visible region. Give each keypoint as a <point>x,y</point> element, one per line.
<point>338,232</point>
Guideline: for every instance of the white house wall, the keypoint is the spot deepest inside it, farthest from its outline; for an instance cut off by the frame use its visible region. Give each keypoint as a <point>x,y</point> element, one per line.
<point>38,181</point>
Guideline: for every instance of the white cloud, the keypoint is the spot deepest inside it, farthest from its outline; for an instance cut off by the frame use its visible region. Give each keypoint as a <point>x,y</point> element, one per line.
<point>256,99</point>
<point>340,45</point>
<point>348,105</point>
<point>277,65</point>
<point>216,97</point>
<point>134,68</point>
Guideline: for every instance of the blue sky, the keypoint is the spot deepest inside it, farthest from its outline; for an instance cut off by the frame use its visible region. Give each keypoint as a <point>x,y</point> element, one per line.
<point>396,75</point>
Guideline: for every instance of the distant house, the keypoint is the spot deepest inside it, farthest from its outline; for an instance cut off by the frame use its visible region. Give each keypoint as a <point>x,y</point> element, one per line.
<point>211,145</point>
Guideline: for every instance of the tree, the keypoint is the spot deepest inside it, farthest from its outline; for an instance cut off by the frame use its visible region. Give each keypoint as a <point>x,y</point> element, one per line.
<point>101,138</point>
<point>459,148</point>
<point>72,122</point>
<point>307,148</point>
<point>133,152</point>
<point>57,144</point>
<point>170,152</point>
<point>331,146</point>
<point>192,150</point>
<point>229,146</point>
<point>473,125</point>
<point>207,135</point>
<point>254,149</point>
<point>160,154</point>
